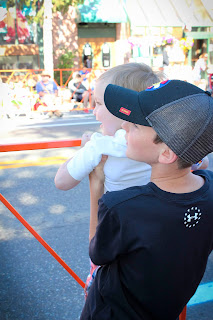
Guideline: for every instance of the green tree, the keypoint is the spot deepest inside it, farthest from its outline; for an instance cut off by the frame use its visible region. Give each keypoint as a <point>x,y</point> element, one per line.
<point>38,6</point>
<point>44,10</point>
<point>65,61</point>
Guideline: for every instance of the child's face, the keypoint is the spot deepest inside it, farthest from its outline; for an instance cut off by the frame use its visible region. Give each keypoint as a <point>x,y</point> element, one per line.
<point>45,78</point>
<point>109,123</point>
<point>140,145</point>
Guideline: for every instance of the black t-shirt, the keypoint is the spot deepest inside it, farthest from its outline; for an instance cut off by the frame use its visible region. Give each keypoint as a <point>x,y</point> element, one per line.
<point>80,88</point>
<point>153,247</point>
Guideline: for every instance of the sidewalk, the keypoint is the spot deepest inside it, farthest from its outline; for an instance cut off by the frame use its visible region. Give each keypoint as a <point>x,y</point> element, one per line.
<point>66,108</point>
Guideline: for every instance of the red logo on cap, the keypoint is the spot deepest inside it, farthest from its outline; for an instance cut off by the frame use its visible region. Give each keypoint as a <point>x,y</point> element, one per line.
<point>125,111</point>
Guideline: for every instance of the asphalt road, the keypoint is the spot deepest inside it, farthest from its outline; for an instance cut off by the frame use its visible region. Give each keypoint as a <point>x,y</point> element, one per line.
<point>33,286</point>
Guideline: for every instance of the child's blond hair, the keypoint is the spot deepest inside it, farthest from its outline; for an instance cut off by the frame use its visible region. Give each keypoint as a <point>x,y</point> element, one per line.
<point>135,76</point>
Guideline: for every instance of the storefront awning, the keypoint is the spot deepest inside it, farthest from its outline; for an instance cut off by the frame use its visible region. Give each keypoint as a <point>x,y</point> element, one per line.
<point>101,11</point>
<point>169,13</point>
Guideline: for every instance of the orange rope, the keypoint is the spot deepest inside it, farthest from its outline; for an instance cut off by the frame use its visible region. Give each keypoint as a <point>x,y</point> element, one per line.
<point>41,240</point>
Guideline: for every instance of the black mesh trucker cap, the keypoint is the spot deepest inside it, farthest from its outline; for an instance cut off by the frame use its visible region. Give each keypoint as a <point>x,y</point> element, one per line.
<point>179,112</point>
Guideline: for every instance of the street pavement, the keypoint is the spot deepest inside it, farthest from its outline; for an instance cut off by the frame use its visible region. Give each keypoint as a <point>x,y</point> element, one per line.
<point>33,285</point>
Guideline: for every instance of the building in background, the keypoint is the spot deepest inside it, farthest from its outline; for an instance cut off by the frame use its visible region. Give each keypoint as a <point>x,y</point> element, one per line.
<point>97,30</point>
<point>105,33</point>
<point>185,26</point>
<point>20,44</point>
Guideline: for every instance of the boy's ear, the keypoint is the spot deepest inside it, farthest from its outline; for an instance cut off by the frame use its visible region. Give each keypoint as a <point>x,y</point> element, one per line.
<point>167,156</point>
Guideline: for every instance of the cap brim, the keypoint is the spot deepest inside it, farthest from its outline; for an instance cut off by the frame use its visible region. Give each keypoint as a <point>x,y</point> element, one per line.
<point>124,104</point>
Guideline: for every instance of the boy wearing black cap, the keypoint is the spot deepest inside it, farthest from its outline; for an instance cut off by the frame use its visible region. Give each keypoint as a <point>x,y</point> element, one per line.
<point>153,241</point>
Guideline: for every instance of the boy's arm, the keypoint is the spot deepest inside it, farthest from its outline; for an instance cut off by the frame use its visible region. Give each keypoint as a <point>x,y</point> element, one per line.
<point>96,181</point>
<point>108,242</point>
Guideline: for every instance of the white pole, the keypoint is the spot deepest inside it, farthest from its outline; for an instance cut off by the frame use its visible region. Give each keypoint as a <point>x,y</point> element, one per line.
<point>47,37</point>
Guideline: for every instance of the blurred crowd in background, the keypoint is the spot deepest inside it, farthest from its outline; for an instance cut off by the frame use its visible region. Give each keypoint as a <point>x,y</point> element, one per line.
<point>21,96</point>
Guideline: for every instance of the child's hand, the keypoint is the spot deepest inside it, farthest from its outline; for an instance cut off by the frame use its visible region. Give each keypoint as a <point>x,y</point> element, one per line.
<point>85,138</point>
<point>97,175</point>
<point>86,290</point>
<point>96,179</point>
<point>201,165</point>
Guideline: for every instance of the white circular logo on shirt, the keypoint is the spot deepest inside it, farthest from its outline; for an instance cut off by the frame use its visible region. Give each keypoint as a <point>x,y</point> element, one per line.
<point>192,217</point>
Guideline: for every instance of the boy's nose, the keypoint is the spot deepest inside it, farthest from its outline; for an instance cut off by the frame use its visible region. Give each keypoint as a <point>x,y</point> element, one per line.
<point>94,111</point>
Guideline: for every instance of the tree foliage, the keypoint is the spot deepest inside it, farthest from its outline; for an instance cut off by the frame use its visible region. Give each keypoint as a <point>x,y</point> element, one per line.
<point>65,61</point>
<point>38,7</point>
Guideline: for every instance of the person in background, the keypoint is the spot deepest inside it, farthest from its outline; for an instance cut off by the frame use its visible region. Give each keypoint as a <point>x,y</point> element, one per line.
<point>199,69</point>
<point>48,92</point>
<point>78,90</point>
<point>88,62</point>
<point>4,100</point>
<point>165,56</point>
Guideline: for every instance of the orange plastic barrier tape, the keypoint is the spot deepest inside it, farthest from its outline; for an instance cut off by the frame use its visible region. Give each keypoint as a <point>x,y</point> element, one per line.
<point>41,240</point>
<point>182,316</point>
<point>40,145</point>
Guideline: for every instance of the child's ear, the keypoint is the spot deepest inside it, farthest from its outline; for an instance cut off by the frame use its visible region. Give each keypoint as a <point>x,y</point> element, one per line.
<point>167,156</point>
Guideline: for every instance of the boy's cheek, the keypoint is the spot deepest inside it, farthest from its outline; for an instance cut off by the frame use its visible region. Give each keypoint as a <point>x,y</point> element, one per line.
<point>134,153</point>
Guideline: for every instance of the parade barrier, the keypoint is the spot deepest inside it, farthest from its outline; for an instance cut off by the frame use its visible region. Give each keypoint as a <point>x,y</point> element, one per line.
<point>29,77</point>
<point>48,145</point>
<point>36,146</point>
<point>41,240</point>
<point>40,145</point>
<point>182,316</point>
